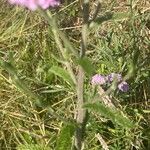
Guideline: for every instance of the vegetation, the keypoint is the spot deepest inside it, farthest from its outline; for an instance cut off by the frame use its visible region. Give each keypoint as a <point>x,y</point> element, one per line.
<point>47,57</point>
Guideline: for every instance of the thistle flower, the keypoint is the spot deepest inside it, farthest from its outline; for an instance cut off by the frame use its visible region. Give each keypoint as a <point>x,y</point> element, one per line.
<point>123,86</point>
<point>114,76</point>
<point>34,4</point>
<point>98,79</point>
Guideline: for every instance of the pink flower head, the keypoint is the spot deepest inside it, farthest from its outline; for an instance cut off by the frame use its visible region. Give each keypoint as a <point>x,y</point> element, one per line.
<point>34,4</point>
<point>98,79</point>
<point>123,86</point>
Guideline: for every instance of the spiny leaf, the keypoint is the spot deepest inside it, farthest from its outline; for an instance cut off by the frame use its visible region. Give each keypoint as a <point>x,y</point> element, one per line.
<point>109,16</point>
<point>65,138</point>
<point>62,73</point>
<point>115,115</point>
<point>86,65</point>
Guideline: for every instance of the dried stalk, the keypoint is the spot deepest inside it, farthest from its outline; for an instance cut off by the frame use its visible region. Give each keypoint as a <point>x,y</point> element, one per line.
<point>102,141</point>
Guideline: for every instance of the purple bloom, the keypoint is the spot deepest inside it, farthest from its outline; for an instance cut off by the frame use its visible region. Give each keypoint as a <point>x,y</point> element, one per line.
<point>98,79</point>
<point>34,4</point>
<point>123,86</point>
<point>114,76</point>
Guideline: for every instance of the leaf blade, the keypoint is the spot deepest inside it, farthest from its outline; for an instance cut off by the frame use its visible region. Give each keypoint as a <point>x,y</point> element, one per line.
<point>65,138</point>
<point>115,115</point>
<point>62,73</point>
<point>87,65</point>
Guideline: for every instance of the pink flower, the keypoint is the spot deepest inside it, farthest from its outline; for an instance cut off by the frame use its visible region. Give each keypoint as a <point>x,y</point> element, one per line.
<point>123,86</point>
<point>34,4</point>
<point>98,79</point>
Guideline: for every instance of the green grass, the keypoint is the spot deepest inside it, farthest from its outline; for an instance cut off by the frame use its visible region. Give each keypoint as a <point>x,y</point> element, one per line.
<point>120,44</point>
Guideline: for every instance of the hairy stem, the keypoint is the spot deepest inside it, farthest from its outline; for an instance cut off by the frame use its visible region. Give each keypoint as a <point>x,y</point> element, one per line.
<point>57,35</point>
<point>81,113</point>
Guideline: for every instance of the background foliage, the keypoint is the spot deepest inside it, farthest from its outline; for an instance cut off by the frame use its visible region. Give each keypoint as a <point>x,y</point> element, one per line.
<point>119,42</point>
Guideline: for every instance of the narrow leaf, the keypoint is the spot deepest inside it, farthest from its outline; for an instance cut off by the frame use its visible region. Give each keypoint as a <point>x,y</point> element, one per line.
<point>109,16</point>
<point>118,16</point>
<point>86,65</point>
<point>62,73</point>
<point>65,138</point>
<point>115,115</point>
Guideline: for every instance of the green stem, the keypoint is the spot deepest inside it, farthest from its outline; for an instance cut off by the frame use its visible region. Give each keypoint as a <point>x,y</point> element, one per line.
<point>57,35</point>
<point>81,117</point>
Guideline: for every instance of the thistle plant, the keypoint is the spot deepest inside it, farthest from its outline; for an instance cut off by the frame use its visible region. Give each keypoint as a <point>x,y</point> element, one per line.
<point>77,69</point>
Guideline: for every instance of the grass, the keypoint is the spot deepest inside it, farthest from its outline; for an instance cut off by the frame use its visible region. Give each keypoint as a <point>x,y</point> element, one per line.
<point>120,44</point>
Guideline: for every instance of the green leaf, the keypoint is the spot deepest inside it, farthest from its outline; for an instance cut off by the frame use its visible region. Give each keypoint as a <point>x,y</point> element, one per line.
<point>86,65</point>
<point>65,138</point>
<point>118,16</point>
<point>102,18</point>
<point>16,80</point>
<point>62,73</point>
<point>115,115</point>
<point>9,67</point>
<point>109,16</point>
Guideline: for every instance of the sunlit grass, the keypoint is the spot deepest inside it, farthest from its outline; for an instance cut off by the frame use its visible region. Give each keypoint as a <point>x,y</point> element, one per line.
<point>118,45</point>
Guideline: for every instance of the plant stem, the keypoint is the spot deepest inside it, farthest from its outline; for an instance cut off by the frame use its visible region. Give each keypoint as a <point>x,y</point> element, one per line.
<point>57,35</point>
<point>81,113</point>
